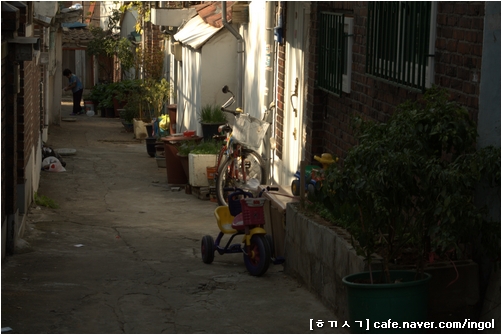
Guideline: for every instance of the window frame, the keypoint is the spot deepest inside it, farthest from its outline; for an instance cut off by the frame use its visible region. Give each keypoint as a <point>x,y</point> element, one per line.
<point>403,59</point>
<point>334,74</point>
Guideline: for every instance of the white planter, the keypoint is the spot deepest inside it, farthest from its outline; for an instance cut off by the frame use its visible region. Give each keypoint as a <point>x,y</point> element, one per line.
<point>197,165</point>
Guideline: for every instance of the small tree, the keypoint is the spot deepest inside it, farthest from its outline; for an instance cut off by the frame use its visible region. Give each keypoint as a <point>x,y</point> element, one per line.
<point>410,182</point>
<point>109,43</point>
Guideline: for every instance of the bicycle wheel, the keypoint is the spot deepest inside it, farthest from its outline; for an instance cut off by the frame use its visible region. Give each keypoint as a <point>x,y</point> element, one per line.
<point>258,256</point>
<point>253,166</point>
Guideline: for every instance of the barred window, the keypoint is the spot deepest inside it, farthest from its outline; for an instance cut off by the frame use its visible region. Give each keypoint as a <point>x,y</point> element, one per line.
<point>335,53</point>
<point>399,44</point>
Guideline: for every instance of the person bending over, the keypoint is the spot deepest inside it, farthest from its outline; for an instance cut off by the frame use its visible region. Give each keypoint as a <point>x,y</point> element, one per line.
<point>75,85</point>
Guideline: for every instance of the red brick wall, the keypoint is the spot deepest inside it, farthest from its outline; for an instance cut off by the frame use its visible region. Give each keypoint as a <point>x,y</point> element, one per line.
<point>279,131</point>
<point>457,68</point>
<point>459,45</point>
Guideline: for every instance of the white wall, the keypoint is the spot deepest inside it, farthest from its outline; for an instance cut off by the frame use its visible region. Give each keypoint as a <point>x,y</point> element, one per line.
<point>189,91</point>
<point>203,74</point>
<point>254,67</point>
<point>219,64</point>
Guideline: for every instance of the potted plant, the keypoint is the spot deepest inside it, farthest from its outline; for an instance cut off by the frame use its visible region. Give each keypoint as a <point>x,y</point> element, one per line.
<point>136,101</point>
<point>103,94</point>
<point>99,96</point>
<point>121,91</point>
<point>127,116</point>
<point>200,158</point>
<point>156,95</point>
<point>210,118</point>
<point>408,185</point>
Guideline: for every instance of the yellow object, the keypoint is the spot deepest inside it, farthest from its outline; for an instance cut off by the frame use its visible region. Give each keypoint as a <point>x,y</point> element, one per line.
<point>326,160</point>
<point>257,230</point>
<point>164,122</point>
<point>224,219</point>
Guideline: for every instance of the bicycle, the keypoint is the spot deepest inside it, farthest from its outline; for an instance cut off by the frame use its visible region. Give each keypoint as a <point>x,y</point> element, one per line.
<point>239,165</point>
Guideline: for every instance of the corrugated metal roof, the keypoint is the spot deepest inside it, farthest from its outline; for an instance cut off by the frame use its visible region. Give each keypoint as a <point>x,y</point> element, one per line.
<point>196,32</point>
<point>203,26</point>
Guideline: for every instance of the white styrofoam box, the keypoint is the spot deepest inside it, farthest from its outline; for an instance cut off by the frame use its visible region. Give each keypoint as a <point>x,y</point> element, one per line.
<point>197,165</point>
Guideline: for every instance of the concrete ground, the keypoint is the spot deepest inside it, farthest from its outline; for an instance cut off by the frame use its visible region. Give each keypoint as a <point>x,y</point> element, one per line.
<point>121,254</point>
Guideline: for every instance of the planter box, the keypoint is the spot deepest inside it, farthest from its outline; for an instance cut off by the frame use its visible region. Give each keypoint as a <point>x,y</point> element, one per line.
<point>320,255</point>
<point>197,165</point>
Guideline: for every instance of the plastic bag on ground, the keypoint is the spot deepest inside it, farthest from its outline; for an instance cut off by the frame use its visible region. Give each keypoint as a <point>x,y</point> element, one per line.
<point>52,164</point>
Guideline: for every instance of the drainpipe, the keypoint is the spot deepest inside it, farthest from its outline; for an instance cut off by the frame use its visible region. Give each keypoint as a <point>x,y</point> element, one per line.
<point>268,94</point>
<point>240,54</point>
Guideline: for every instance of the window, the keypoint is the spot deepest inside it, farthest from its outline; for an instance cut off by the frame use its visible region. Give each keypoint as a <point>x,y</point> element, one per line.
<point>335,53</point>
<point>399,47</point>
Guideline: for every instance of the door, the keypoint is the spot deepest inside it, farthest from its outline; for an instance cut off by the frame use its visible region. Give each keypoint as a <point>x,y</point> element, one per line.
<point>294,91</point>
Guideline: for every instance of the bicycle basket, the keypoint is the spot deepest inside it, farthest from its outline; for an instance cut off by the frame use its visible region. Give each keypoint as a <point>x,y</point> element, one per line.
<point>252,211</point>
<point>249,131</point>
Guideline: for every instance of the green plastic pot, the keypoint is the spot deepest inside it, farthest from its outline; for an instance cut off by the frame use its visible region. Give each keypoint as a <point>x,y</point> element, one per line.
<point>371,306</point>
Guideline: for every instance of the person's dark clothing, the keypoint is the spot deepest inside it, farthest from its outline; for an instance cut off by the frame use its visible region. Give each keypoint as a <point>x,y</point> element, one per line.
<point>77,98</point>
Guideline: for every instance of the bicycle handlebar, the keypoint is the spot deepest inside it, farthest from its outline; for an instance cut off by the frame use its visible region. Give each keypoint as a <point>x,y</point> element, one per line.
<point>235,112</point>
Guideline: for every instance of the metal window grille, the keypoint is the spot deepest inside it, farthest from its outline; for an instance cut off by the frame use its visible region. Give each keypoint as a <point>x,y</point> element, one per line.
<point>331,46</point>
<point>398,41</point>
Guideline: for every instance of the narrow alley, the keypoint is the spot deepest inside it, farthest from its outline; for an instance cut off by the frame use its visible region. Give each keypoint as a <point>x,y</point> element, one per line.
<point>121,254</point>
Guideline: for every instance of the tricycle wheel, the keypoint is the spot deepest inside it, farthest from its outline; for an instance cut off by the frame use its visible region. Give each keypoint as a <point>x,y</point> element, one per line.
<point>295,187</point>
<point>258,256</point>
<point>207,249</point>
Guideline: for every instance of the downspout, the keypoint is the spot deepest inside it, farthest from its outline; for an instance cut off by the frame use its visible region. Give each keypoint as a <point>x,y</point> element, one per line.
<point>268,94</point>
<point>240,54</point>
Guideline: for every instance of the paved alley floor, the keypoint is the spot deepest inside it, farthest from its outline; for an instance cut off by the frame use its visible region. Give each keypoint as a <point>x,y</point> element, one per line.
<point>121,254</point>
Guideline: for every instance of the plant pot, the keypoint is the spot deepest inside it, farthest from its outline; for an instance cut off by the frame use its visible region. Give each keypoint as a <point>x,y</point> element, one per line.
<point>89,105</point>
<point>117,105</point>
<point>110,112</point>
<point>209,130</point>
<point>128,126</point>
<point>401,301</point>
<point>175,171</point>
<point>184,163</point>
<point>150,146</point>
<point>197,168</point>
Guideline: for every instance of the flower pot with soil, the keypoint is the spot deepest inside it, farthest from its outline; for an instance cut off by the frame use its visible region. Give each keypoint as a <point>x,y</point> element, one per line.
<point>210,118</point>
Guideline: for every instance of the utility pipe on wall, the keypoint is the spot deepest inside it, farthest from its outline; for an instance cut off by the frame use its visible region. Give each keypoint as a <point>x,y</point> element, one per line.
<point>268,94</point>
<point>240,54</point>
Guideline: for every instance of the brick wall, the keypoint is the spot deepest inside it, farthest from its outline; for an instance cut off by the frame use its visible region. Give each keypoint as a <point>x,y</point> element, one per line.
<point>279,131</point>
<point>457,68</point>
<point>28,117</point>
<point>459,45</point>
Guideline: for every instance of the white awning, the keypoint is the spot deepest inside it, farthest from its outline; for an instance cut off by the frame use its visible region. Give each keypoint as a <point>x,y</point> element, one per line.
<point>196,32</point>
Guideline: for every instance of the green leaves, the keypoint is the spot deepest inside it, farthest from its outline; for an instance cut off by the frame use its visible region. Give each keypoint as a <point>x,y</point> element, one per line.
<point>412,180</point>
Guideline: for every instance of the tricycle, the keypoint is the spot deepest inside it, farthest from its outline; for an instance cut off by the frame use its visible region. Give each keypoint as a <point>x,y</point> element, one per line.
<point>243,216</point>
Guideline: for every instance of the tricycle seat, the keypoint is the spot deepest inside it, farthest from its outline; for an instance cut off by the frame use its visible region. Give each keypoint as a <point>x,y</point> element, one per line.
<point>224,219</point>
